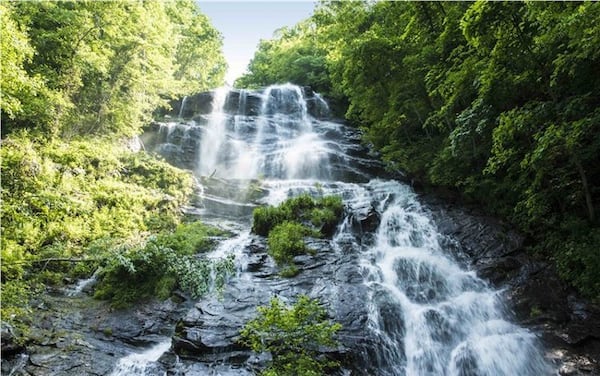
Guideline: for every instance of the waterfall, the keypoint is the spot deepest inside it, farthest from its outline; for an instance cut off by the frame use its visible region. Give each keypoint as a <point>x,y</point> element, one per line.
<point>180,115</point>
<point>432,316</point>
<point>215,136</point>
<point>428,314</point>
<point>143,363</point>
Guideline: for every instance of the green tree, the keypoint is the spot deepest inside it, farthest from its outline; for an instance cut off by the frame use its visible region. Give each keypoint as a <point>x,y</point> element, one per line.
<point>109,65</point>
<point>24,95</point>
<point>293,55</point>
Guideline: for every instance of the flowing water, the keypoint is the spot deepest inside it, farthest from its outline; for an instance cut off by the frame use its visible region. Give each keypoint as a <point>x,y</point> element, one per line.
<point>143,363</point>
<point>429,315</point>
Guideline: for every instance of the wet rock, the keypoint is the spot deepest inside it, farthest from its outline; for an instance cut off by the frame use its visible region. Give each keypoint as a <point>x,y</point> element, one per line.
<point>243,102</point>
<point>10,345</point>
<point>366,220</point>
<point>196,104</point>
<point>209,333</point>
<point>82,336</point>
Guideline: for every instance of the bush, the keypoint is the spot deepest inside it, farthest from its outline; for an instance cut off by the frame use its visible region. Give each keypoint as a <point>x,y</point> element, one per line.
<point>78,200</point>
<point>577,255</point>
<point>286,240</point>
<point>189,238</point>
<point>286,226</point>
<point>294,336</point>
<point>265,218</point>
<point>324,213</point>
<point>160,264</point>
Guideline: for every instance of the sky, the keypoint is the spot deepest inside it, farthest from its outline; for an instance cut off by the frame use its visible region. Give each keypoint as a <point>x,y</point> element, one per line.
<point>244,23</point>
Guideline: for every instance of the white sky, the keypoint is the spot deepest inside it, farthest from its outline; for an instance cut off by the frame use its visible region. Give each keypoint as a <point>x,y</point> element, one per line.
<point>244,23</point>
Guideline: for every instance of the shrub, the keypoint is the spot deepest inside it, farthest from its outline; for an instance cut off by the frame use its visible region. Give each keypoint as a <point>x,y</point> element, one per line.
<point>286,226</point>
<point>265,218</point>
<point>78,200</point>
<point>160,264</point>
<point>577,256</point>
<point>294,336</point>
<point>286,240</point>
<point>324,213</point>
<point>189,238</point>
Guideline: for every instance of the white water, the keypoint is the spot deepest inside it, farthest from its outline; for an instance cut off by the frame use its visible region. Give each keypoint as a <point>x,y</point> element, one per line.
<point>429,315</point>
<point>215,135</point>
<point>432,316</point>
<point>142,364</point>
<point>182,107</point>
<point>82,284</point>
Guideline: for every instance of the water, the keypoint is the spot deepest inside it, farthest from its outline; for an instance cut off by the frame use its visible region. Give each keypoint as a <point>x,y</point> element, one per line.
<point>180,115</point>
<point>433,317</point>
<point>429,315</point>
<point>144,363</point>
<point>82,284</point>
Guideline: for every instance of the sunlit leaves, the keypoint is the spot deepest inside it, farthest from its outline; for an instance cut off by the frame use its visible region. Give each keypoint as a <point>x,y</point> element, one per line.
<point>294,336</point>
<point>91,67</point>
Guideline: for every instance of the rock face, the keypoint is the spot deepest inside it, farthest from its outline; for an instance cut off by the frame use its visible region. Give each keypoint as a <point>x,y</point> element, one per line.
<point>242,102</point>
<point>77,335</point>
<point>209,333</point>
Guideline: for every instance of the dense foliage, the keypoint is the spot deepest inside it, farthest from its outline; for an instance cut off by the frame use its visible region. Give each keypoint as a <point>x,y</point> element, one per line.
<point>294,336</point>
<point>285,241</point>
<point>61,201</point>
<point>292,56</point>
<point>324,213</point>
<point>155,266</point>
<point>76,77</point>
<point>99,67</point>
<point>496,100</point>
<point>287,224</point>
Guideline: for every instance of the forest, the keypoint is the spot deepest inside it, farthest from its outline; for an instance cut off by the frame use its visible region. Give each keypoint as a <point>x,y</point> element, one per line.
<point>498,102</point>
<point>79,79</point>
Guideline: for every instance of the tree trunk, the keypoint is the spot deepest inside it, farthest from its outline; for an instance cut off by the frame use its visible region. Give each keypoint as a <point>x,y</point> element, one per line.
<point>586,190</point>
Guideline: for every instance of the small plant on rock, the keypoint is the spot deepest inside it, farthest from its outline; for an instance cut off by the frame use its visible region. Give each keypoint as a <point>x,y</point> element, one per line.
<point>295,336</point>
<point>286,241</point>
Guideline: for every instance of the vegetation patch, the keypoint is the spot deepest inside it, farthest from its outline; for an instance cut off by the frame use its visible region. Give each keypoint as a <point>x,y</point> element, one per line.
<point>295,336</point>
<point>160,264</point>
<point>321,213</point>
<point>286,240</point>
<point>69,208</point>
<point>289,223</point>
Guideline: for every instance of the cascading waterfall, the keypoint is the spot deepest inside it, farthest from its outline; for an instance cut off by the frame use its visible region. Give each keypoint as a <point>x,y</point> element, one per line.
<point>429,315</point>
<point>180,115</point>
<point>215,135</point>
<point>142,364</point>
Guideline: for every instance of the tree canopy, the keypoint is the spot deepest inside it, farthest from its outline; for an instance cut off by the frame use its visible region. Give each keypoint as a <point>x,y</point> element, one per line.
<point>85,67</point>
